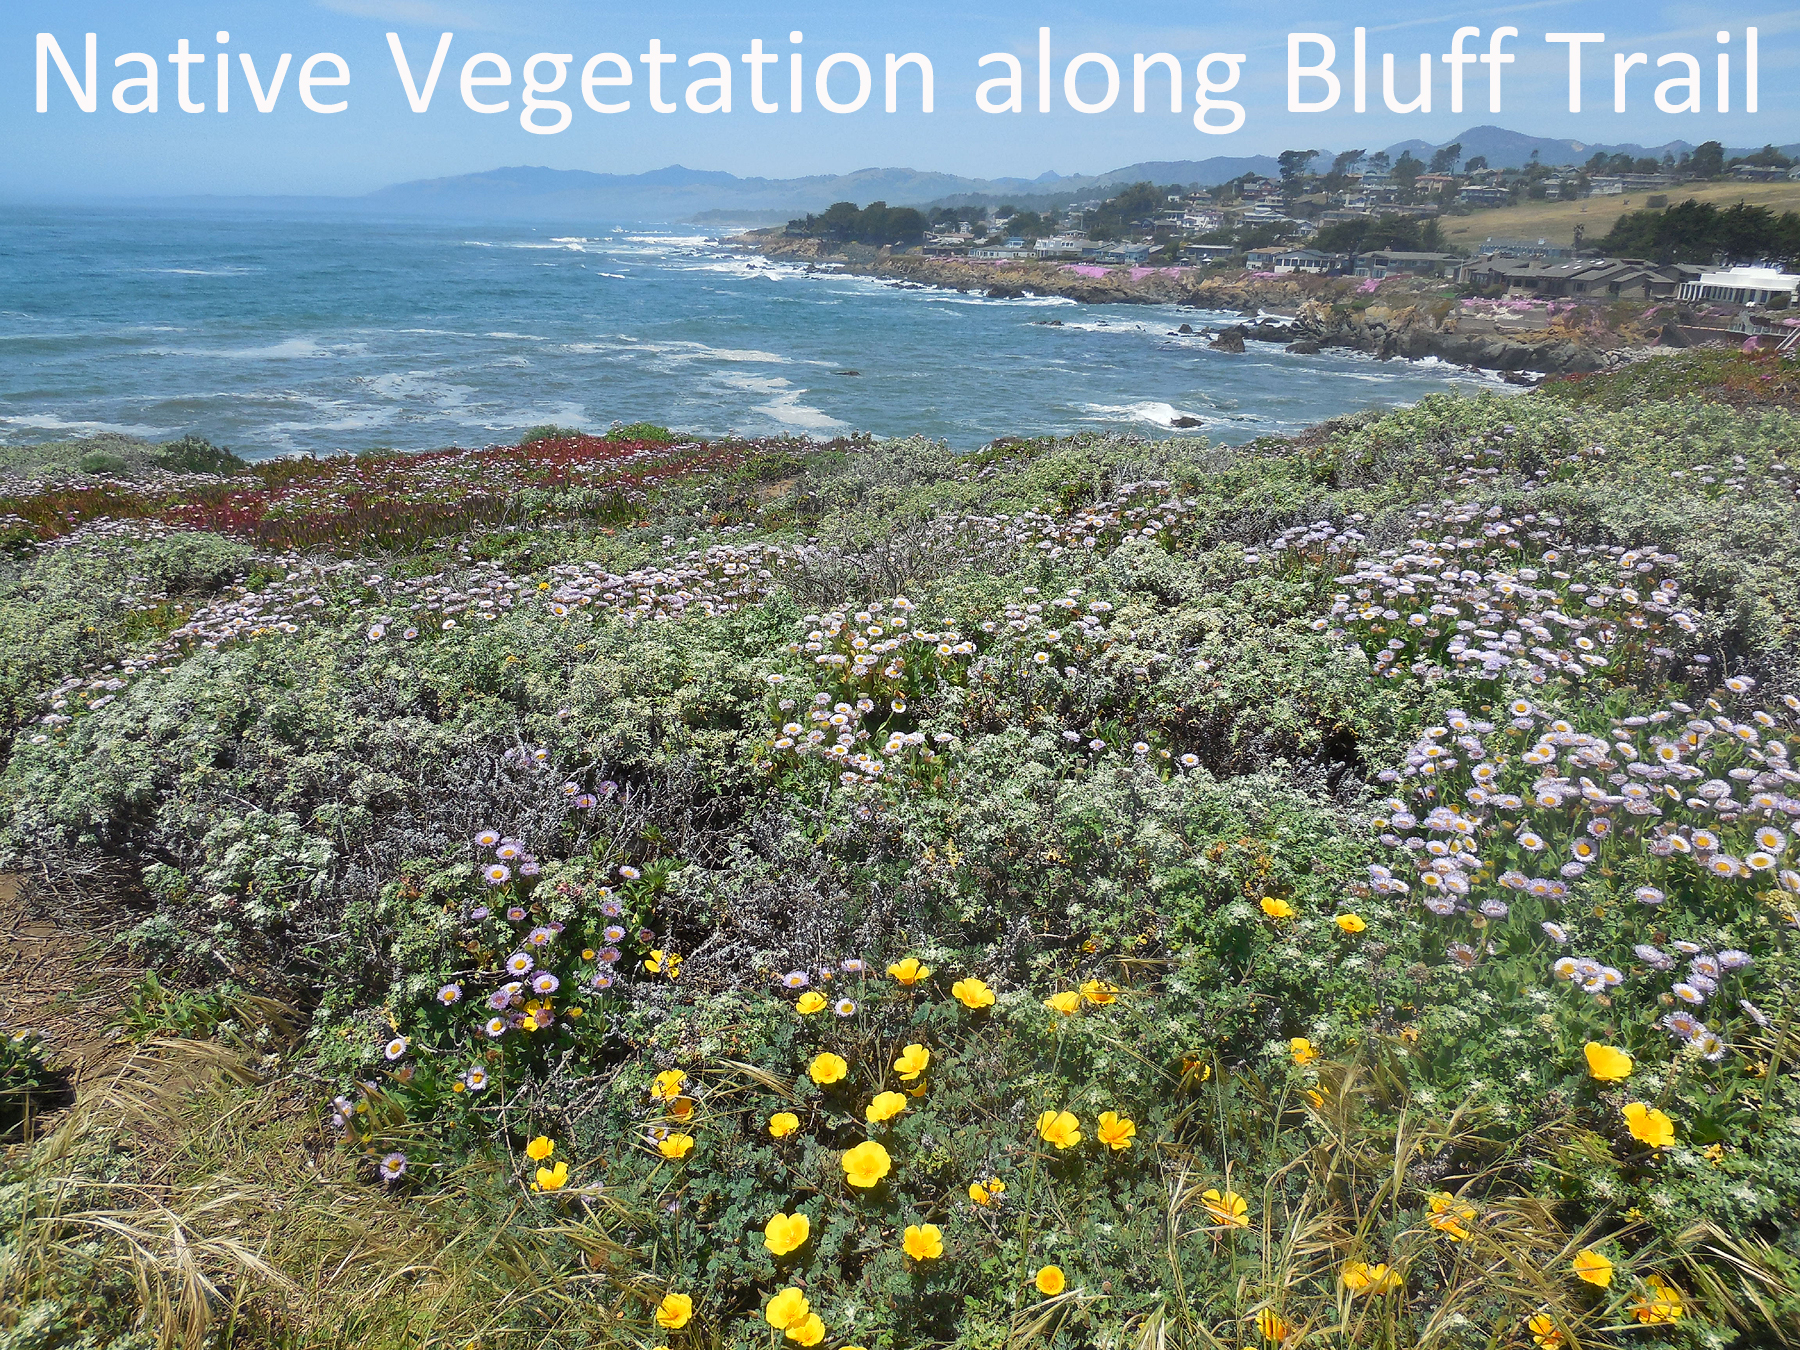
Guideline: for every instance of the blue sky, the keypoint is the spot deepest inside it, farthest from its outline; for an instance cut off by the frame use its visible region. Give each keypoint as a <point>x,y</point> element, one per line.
<point>66,153</point>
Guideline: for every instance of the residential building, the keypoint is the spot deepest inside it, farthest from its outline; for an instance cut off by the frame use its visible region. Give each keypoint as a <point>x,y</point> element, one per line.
<point>1135,254</point>
<point>1206,253</point>
<point>1758,173</point>
<point>1399,262</point>
<point>1484,196</point>
<point>1434,182</point>
<point>1743,285</point>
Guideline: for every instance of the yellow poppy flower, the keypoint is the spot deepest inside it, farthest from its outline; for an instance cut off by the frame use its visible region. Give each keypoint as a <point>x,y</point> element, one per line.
<point>681,1108</point>
<point>674,1312</point>
<point>1543,1331</point>
<point>663,963</point>
<point>811,1001</point>
<point>827,1068</point>
<point>786,1232</point>
<point>1351,923</point>
<point>553,1178</point>
<point>540,1148</point>
<point>1277,909</point>
<point>1661,1306</point>
<point>1228,1208</point>
<point>1360,1275</point>
<point>1302,1051</point>
<point>1591,1266</point>
<point>1270,1325</point>
<point>1448,1215</point>
<point>1607,1064</point>
<point>986,1192</point>
<point>788,1308</point>
<point>972,993</point>
<point>1100,994</point>
<point>668,1084</point>
<point>1115,1131</point>
<point>866,1164</point>
<point>676,1146</point>
<point>1068,1003</point>
<point>1649,1126</point>
<point>922,1242</point>
<point>885,1107</point>
<point>1059,1128</point>
<point>783,1123</point>
<point>913,1061</point>
<point>1050,1281</point>
<point>810,1331</point>
<point>910,971</point>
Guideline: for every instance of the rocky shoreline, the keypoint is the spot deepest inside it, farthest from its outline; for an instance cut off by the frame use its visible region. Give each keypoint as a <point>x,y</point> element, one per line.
<point>1400,318</point>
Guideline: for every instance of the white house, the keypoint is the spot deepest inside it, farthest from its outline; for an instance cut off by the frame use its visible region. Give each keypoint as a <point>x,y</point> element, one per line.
<point>1742,285</point>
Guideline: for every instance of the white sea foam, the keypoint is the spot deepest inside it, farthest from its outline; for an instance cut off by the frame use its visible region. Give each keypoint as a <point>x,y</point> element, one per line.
<point>1156,414</point>
<point>50,422</point>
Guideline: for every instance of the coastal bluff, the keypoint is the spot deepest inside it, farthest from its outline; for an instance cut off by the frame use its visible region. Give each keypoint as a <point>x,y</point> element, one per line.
<point>1406,318</point>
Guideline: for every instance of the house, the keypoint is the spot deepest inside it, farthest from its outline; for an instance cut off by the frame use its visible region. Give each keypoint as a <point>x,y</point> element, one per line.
<point>950,247</point>
<point>1135,254</point>
<point>1007,252</point>
<point>1434,182</point>
<point>1743,286</point>
<point>1758,173</point>
<point>1399,262</point>
<point>1065,246</point>
<point>1203,254</point>
<point>1305,260</point>
<point>1484,196</point>
<point>1584,278</point>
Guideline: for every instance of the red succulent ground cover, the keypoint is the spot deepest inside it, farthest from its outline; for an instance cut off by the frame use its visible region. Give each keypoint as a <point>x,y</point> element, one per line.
<point>387,499</point>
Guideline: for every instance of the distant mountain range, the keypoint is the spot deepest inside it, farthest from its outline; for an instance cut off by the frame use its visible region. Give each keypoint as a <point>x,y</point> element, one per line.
<point>713,196</point>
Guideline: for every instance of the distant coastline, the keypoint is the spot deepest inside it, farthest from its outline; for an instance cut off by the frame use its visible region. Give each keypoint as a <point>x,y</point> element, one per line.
<point>1401,317</point>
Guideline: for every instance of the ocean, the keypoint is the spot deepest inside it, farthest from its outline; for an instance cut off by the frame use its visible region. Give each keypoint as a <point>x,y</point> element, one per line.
<point>279,334</point>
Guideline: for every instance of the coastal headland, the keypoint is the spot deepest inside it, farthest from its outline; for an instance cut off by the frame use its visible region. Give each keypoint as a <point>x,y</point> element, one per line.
<point>1398,317</point>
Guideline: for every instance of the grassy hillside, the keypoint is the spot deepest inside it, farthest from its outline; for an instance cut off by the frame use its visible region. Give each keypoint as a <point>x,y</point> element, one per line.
<point>621,892</point>
<point>1555,222</point>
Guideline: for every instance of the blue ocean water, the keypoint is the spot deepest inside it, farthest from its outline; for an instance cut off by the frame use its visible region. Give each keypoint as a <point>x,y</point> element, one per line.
<point>283,333</point>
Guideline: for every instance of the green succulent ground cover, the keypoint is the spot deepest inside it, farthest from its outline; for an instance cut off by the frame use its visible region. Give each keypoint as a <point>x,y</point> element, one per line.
<point>1392,825</point>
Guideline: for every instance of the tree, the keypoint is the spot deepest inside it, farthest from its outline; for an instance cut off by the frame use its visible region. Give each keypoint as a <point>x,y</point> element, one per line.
<point>1407,169</point>
<point>1476,164</point>
<point>1379,162</point>
<point>1293,165</point>
<point>1340,164</point>
<point>1695,231</point>
<point>1444,160</point>
<point>1708,160</point>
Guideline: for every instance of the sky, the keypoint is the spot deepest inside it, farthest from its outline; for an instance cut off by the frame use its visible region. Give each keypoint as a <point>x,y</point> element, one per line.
<point>65,153</point>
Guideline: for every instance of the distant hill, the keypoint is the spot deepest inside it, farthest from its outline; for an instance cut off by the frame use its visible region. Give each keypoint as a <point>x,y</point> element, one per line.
<point>676,192</point>
<point>714,196</point>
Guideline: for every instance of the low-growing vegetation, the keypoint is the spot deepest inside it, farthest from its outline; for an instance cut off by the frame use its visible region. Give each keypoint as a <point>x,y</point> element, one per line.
<point>628,892</point>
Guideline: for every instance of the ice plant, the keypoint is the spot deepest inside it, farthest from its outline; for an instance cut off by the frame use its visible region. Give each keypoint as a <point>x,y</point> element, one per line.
<point>866,1164</point>
<point>1607,1064</point>
<point>1115,1131</point>
<point>827,1068</point>
<point>785,1233</point>
<point>923,1242</point>
<point>1050,1281</point>
<point>972,993</point>
<point>1060,1128</point>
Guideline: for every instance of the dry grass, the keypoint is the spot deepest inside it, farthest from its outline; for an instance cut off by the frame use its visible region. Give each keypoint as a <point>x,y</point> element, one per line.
<point>1555,222</point>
